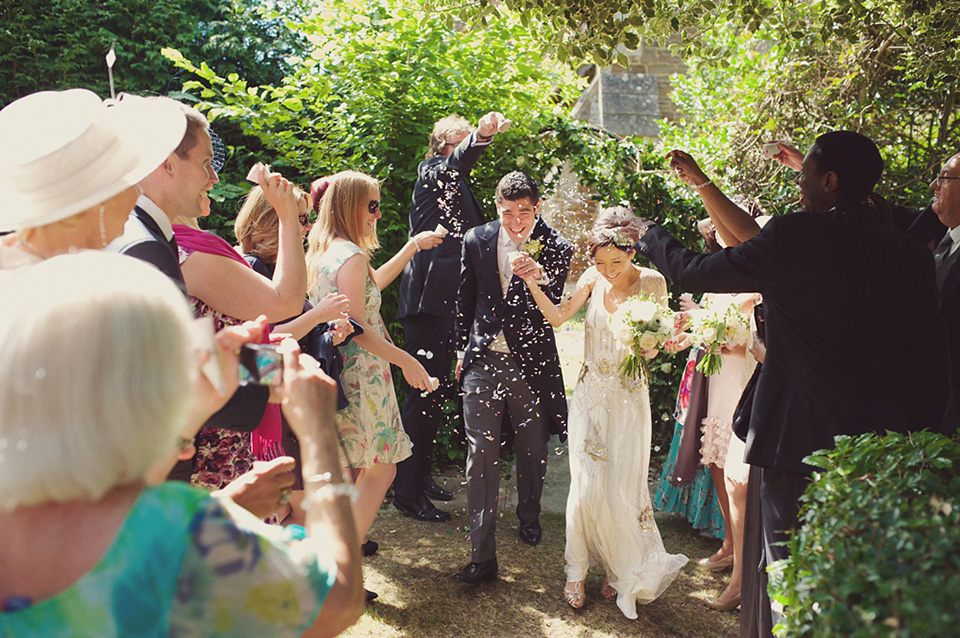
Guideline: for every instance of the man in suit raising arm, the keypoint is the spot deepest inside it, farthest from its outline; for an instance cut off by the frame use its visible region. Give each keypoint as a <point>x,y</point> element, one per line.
<point>428,291</point>
<point>507,360</point>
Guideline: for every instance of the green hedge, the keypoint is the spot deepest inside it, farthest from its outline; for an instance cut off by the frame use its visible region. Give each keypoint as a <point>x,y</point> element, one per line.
<point>878,550</point>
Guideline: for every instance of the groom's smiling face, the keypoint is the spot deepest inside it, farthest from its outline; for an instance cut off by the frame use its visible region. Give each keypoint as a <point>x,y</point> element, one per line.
<point>518,217</point>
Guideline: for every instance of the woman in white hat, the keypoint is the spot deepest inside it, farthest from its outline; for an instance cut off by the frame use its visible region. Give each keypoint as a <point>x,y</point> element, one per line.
<point>70,166</point>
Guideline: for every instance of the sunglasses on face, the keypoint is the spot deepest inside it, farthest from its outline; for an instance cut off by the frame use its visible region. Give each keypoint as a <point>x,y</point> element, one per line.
<point>374,206</point>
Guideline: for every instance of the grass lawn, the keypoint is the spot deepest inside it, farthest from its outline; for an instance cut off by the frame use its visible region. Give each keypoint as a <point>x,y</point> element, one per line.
<point>412,573</point>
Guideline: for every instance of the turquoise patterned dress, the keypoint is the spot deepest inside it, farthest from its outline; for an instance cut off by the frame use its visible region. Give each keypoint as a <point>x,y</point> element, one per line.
<point>697,501</point>
<point>370,427</point>
<point>186,564</point>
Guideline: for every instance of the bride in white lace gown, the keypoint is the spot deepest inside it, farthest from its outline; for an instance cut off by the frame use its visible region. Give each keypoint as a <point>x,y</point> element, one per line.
<point>609,511</point>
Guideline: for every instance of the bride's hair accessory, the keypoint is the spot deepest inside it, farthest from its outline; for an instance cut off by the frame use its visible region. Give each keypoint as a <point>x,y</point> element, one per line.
<point>617,237</point>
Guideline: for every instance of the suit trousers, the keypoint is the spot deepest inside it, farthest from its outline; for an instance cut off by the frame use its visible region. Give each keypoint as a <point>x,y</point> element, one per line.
<point>422,412</point>
<point>755,618</point>
<point>492,383</point>
<point>780,492</point>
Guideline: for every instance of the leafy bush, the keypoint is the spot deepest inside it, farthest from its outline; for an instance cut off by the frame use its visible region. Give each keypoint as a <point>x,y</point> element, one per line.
<point>878,550</point>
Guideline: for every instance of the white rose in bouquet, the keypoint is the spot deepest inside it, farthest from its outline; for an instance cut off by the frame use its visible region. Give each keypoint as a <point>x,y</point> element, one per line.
<point>649,341</point>
<point>640,323</point>
<point>643,311</point>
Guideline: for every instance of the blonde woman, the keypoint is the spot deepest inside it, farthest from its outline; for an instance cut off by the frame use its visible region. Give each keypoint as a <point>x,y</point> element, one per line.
<point>341,243</point>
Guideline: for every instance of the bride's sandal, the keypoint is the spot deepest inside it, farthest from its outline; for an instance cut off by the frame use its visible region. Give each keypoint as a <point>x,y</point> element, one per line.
<point>574,594</point>
<point>606,590</point>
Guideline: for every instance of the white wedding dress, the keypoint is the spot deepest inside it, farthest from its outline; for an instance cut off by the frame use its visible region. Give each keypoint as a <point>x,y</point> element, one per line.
<point>609,512</point>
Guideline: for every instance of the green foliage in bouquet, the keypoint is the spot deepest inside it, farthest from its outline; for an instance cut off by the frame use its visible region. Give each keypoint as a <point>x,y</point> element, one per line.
<point>878,550</point>
<point>640,324</point>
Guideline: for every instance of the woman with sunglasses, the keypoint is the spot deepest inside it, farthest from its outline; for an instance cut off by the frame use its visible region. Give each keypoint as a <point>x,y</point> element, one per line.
<point>343,239</point>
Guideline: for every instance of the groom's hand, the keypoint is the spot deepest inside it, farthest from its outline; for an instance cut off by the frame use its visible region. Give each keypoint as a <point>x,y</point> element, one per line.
<point>458,369</point>
<point>524,266</point>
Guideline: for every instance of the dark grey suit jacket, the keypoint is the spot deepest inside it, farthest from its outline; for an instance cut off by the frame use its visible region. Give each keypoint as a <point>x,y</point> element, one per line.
<point>483,310</point>
<point>143,239</point>
<point>926,226</point>
<point>441,196</point>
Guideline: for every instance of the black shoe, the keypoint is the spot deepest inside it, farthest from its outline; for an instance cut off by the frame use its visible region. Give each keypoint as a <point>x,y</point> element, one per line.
<point>476,573</point>
<point>421,509</point>
<point>371,595</point>
<point>369,548</point>
<point>531,533</point>
<point>434,491</point>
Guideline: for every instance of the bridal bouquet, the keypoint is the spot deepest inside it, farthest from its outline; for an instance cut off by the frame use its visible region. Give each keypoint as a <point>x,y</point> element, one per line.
<point>640,323</point>
<point>715,327</point>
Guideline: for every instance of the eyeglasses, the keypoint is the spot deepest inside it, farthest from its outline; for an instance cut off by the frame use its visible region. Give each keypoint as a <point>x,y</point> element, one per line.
<point>304,219</point>
<point>374,206</point>
<point>940,178</point>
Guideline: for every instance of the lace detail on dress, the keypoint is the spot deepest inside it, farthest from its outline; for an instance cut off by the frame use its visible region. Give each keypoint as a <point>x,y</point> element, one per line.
<point>715,441</point>
<point>609,513</point>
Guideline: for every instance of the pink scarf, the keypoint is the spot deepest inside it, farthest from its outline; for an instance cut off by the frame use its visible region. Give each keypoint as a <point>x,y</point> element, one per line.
<point>266,438</point>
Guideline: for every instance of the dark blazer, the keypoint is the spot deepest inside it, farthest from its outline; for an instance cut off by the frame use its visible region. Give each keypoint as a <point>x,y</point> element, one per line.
<point>482,311</point>
<point>927,227</point>
<point>854,338</point>
<point>440,196</point>
<point>143,239</point>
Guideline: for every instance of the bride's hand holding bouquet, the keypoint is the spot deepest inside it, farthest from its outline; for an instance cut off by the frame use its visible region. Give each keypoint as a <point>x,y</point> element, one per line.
<point>643,326</point>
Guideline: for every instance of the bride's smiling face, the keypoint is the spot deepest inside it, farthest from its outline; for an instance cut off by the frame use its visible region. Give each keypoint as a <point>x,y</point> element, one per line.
<point>612,262</point>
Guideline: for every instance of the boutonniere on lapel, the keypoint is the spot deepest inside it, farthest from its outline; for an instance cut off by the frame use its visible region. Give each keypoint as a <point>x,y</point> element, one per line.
<point>532,248</point>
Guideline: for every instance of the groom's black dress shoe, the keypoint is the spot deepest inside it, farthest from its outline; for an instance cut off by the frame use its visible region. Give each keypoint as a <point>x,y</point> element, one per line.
<point>435,491</point>
<point>420,508</point>
<point>476,573</point>
<point>530,533</point>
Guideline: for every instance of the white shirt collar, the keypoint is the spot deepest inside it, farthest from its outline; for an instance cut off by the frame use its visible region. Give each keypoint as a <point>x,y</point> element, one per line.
<point>150,208</point>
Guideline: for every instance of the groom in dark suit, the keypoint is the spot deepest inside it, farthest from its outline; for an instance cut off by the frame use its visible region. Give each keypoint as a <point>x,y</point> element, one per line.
<point>507,360</point>
<point>835,286</point>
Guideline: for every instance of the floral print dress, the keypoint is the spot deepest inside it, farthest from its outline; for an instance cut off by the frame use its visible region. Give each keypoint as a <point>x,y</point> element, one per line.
<point>370,428</point>
<point>222,455</point>
<point>185,564</point>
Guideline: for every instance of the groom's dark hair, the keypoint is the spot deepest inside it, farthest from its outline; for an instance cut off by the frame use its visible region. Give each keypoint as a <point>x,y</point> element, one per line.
<point>517,185</point>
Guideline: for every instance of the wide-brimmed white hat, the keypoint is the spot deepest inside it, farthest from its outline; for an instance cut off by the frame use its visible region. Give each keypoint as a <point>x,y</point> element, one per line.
<point>62,152</point>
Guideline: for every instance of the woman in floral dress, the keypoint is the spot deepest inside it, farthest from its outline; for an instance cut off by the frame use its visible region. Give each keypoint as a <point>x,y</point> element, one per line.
<point>341,243</point>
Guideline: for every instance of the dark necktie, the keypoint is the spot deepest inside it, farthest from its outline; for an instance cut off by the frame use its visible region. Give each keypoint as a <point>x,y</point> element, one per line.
<point>942,258</point>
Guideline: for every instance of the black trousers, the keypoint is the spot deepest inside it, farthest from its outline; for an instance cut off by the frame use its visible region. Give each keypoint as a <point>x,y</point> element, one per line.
<point>430,340</point>
<point>755,618</point>
<point>779,504</point>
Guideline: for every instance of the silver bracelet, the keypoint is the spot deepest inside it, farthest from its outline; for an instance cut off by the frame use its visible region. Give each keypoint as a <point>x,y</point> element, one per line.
<point>697,187</point>
<point>415,244</point>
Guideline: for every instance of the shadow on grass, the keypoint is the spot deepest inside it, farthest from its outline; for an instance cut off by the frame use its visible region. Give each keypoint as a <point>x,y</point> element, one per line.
<point>413,570</point>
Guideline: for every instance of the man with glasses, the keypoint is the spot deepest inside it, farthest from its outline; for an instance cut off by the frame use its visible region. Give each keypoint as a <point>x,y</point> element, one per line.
<point>939,225</point>
<point>441,197</point>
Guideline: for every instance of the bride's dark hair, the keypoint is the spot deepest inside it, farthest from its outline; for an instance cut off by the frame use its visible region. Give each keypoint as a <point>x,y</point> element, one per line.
<point>616,226</point>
